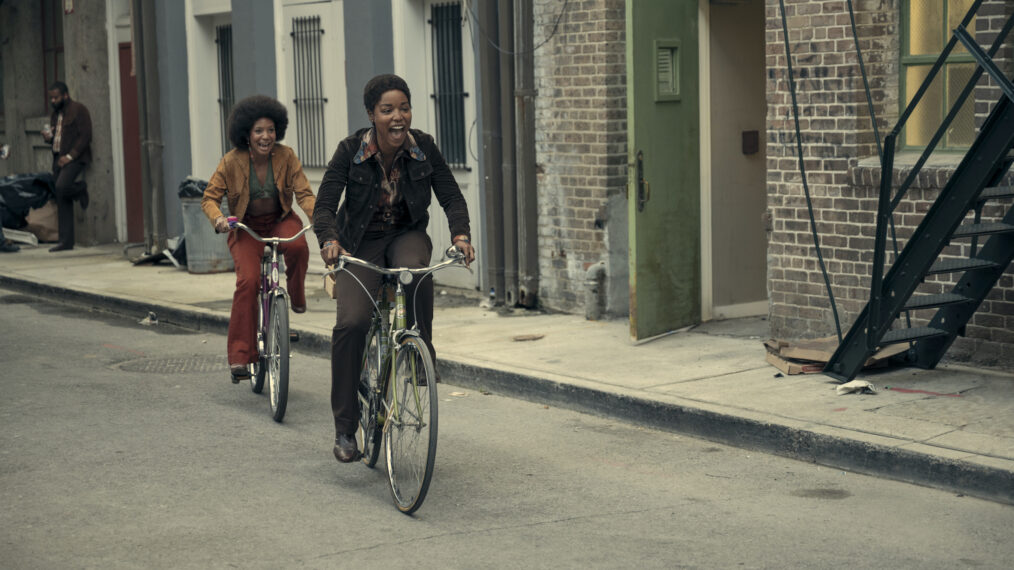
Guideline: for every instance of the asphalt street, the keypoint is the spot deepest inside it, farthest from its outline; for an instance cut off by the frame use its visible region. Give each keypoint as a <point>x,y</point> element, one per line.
<point>126,446</point>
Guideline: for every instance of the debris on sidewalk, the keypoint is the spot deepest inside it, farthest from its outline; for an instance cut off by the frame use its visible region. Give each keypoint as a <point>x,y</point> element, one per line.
<point>809,356</point>
<point>527,337</point>
<point>21,237</point>
<point>149,320</point>
<point>856,387</point>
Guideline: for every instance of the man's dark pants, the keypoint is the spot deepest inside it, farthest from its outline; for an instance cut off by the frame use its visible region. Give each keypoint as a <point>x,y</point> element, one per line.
<point>67,189</point>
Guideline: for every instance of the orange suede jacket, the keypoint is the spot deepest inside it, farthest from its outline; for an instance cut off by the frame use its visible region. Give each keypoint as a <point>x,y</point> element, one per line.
<point>232,179</point>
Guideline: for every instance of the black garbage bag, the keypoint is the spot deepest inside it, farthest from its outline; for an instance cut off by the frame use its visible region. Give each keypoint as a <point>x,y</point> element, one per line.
<point>192,187</point>
<point>19,193</point>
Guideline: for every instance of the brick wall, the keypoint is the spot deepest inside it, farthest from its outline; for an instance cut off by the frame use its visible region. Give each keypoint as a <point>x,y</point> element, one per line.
<point>580,130</point>
<point>843,172</point>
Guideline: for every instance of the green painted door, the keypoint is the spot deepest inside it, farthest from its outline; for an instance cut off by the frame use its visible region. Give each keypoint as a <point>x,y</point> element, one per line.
<point>664,167</point>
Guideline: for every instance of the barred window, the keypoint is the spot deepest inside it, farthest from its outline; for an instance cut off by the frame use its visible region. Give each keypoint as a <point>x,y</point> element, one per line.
<point>449,91</point>
<point>927,25</point>
<point>52,46</point>
<point>309,89</point>
<point>226,98</point>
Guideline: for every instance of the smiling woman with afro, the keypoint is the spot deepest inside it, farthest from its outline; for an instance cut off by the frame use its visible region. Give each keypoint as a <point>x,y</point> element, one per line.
<point>260,178</point>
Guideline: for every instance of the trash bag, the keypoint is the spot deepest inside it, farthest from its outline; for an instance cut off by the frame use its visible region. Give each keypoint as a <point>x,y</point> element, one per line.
<point>19,193</point>
<point>192,187</point>
<point>177,248</point>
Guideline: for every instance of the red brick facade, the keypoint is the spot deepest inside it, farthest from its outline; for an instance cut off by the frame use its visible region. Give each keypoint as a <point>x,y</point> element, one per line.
<point>843,172</point>
<point>581,155</point>
<point>581,134</point>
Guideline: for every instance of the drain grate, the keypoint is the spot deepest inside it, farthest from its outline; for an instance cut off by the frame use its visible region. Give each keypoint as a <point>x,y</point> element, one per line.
<point>175,365</point>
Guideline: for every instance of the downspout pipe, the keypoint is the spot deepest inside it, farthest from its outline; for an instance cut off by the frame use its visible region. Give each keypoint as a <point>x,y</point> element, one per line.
<point>492,145</point>
<point>146,64</point>
<point>507,129</point>
<point>527,182</point>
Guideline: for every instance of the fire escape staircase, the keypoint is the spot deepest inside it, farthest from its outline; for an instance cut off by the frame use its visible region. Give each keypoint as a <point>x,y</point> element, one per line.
<point>976,181</point>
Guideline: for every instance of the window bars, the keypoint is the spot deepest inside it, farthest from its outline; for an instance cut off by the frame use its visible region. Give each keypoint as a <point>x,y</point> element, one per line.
<point>309,90</point>
<point>226,97</point>
<point>449,92</point>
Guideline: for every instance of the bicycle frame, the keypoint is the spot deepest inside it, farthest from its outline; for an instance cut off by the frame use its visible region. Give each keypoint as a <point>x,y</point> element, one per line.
<point>391,335</point>
<point>270,283</point>
<point>270,286</point>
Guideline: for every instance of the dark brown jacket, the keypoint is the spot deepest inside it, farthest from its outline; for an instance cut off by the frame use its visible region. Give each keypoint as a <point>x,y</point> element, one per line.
<point>425,174</point>
<point>76,132</point>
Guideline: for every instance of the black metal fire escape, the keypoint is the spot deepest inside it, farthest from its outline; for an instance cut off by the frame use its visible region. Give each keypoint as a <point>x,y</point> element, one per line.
<point>975,182</point>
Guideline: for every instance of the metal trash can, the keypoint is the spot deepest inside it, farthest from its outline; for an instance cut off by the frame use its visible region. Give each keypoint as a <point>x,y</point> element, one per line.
<point>207,251</point>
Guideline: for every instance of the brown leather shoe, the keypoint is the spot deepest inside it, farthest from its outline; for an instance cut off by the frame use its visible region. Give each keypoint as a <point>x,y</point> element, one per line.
<point>61,247</point>
<point>345,448</point>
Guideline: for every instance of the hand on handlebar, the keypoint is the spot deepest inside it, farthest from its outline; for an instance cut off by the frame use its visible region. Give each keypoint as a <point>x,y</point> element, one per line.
<point>466,248</point>
<point>331,252</point>
<point>222,225</point>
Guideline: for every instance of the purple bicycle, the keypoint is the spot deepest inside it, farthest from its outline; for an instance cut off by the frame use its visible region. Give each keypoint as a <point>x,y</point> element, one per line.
<point>273,335</point>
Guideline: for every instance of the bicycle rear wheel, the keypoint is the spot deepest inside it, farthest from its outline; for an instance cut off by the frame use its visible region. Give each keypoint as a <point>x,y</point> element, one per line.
<point>410,432</point>
<point>277,356</point>
<point>371,412</point>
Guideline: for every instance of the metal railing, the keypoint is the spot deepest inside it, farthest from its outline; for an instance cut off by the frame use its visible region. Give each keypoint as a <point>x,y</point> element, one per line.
<point>886,203</point>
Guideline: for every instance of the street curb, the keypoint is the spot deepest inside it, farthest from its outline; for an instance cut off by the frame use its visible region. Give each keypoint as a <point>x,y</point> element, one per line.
<point>841,453</point>
<point>956,476</point>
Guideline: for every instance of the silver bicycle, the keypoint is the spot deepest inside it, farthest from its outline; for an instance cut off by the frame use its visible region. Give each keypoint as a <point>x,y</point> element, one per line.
<point>397,386</point>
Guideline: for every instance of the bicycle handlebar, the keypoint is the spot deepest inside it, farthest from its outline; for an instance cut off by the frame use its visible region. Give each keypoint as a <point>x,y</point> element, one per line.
<point>456,257</point>
<point>273,240</point>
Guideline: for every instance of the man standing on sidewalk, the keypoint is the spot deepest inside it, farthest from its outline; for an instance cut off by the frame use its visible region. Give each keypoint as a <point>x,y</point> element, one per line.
<point>70,133</point>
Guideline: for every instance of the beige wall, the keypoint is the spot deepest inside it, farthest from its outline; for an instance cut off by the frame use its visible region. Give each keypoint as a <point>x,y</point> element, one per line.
<point>738,199</point>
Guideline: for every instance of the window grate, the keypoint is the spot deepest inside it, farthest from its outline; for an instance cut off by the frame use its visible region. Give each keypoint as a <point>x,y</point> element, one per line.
<point>226,97</point>
<point>309,89</point>
<point>52,48</point>
<point>449,92</point>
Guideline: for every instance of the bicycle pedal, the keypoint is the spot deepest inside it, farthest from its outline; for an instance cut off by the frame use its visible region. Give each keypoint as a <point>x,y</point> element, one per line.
<point>294,336</point>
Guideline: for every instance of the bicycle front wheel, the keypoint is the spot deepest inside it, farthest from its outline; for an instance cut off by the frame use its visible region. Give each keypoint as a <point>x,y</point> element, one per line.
<point>371,414</point>
<point>410,431</point>
<point>277,357</point>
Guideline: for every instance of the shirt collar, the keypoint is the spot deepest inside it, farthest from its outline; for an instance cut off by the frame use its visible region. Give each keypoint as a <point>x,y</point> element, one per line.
<point>368,147</point>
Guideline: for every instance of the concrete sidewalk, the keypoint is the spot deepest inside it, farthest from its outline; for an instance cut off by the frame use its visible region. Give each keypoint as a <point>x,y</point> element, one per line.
<point>951,428</point>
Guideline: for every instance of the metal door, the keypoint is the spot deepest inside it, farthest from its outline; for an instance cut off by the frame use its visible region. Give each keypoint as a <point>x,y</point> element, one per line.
<point>663,190</point>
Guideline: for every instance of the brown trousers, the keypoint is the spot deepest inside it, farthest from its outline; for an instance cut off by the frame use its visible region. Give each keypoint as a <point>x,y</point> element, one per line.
<point>348,339</point>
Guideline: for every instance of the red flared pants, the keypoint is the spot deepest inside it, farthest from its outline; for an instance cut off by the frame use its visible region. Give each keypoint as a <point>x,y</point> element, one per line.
<point>246,254</point>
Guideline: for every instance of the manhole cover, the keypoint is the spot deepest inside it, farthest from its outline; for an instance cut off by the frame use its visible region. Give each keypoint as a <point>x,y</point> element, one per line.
<point>175,365</point>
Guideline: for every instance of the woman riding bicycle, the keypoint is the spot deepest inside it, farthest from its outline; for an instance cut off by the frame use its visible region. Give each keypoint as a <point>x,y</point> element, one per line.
<point>388,173</point>
<point>260,178</point>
